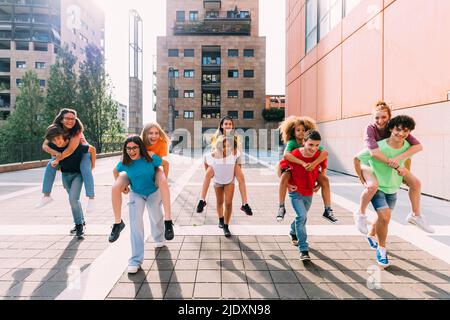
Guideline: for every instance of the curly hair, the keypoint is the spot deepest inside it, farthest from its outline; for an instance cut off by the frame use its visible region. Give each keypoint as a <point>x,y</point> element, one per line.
<point>287,127</point>
<point>402,121</point>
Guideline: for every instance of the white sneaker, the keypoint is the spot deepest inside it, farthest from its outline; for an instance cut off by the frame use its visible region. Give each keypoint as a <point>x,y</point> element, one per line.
<point>43,202</point>
<point>420,222</point>
<point>361,222</point>
<point>133,269</point>
<point>159,244</point>
<point>91,206</point>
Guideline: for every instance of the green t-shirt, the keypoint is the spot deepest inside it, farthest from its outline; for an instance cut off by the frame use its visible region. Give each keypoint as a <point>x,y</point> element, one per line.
<point>388,179</point>
<point>292,145</point>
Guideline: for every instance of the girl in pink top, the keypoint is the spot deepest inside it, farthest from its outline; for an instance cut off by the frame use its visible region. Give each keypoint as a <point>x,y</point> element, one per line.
<point>379,131</point>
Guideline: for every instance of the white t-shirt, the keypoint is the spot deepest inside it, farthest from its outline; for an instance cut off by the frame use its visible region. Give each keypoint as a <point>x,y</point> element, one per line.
<point>223,167</point>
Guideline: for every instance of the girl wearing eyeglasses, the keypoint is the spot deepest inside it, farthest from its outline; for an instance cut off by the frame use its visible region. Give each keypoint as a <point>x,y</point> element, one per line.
<point>68,121</point>
<point>140,167</point>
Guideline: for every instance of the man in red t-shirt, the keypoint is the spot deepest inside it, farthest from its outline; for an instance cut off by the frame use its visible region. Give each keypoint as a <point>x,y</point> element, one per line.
<point>306,184</point>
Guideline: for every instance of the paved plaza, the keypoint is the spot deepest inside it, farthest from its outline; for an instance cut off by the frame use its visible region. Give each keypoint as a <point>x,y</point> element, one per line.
<point>40,260</point>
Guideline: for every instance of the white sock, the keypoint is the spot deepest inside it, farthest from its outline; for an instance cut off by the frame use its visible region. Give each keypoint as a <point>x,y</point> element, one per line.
<point>382,251</point>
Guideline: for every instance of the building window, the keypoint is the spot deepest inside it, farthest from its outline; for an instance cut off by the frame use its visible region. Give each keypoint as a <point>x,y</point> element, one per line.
<point>173,93</point>
<point>311,24</point>
<point>233,114</point>
<point>248,53</point>
<point>233,94</point>
<point>193,15</point>
<point>212,14</point>
<point>248,94</point>
<point>233,53</point>
<point>42,83</point>
<point>248,115</point>
<point>173,52</point>
<point>233,74</point>
<point>189,93</point>
<point>249,74</point>
<point>188,52</point>
<point>40,65</point>
<point>19,82</point>
<point>176,114</point>
<point>21,64</point>
<point>188,114</point>
<point>180,16</point>
<point>330,14</point>
<point>189,73</point>
<point>244,14</point>
<point>174,73</point>
<point>350,5</point>
<point>22,45</point>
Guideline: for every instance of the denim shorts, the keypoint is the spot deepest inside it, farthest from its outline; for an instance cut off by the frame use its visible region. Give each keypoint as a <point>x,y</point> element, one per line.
<point>383,200</point>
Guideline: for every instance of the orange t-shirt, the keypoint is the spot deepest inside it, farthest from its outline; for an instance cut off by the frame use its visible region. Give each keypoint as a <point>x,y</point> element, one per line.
<point>159,148</point>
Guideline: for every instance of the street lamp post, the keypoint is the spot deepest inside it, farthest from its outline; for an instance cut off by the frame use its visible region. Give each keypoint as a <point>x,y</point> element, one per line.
<point>171,114</point>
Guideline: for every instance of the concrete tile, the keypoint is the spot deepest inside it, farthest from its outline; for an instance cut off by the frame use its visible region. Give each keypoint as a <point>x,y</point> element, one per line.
<point>232,265</point>
<point>180,291</point>
<point>283,277</point>
<point>183,276</point>
<point>318,291</point>
<point>158,276</point>
<point>235,291</point>
<point>263,290</point>
<point>278,265</point>
<point>209,265</point>
<point>309,276</point>
<point>208,290</point>
<point>255,265</point>
<point>189,254</point>
<point>334,276</point>
<point>236,276</point>
<point>167,255</point>
<point>246,240</point>
<point>258,277</point>
<point>192,239</point>
<point>208,276</point>
<point>23,289</point>
<point>273,255</point>
<point>152,290</point>
<point>191,246</point>
<point>401,291</point>
<point>210,246</point>
<point>50,289</point>
<point>290,291</point>
<point>165,264</point>
<point>231,255</point>
<point>252,255</point>
<point>209,255</point>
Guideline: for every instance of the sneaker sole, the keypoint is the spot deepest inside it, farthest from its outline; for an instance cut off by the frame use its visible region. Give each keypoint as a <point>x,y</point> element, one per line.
<point>305,259</point>
<point>418,226</point>
<point>383,265</point>
<point>280,219</point>
<point>333,222</point>
<point>249,214</point>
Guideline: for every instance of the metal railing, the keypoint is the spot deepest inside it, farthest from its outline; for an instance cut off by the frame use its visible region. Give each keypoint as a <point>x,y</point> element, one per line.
<point>24,152</point>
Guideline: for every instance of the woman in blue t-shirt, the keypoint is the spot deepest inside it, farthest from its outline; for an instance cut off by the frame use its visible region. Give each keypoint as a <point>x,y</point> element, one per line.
<point>140,166</point>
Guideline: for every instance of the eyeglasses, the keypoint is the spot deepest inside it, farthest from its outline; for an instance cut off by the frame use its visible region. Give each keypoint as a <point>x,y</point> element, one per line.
<point>132,148</point>
<point>69,119</point>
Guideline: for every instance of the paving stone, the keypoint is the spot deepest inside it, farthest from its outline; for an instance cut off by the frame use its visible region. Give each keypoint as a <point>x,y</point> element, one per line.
<point>258,277</point>
<point>318,291</point>
<point>50,289</point>
<point>236,276</point>
<point>152,290</point>
<point>159,276</point>
<point>235,291</point>
<point>209,255</point>
<point>210,246</point>
<point>208,276</point>
<point>232,255</point>
<point>252,255</point>
<point>274,255</point>
<point>208,290</point>
<point>278,265</point>
<point>180,291</point>
<point>165,264</point>
<point>263,290</point>
<point>255,265</point>
<point>209,265</point>
<point>290,291</point>
<point>183,276</point>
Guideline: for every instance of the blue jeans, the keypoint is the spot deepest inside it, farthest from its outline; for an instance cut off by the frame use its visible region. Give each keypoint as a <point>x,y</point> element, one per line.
<point>136,206</point>
<point>301,206</point>
<point>73,182</point>
<point>86,172</point>
<point>383,200</point>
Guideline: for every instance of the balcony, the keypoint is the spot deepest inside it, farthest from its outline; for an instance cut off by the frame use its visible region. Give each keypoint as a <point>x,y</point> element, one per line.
<point>210,84</point>
<point>229,24</point>
<point>212,4</point>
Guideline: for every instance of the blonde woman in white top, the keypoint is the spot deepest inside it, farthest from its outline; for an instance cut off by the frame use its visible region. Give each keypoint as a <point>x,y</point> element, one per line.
<point>223,161</point>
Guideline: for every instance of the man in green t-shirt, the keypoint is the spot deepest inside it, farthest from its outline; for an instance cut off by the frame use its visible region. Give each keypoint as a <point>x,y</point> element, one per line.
<point>389,181</point>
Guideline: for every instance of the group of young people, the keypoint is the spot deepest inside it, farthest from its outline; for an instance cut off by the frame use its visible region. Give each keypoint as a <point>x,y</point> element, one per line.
<point>143,173</point>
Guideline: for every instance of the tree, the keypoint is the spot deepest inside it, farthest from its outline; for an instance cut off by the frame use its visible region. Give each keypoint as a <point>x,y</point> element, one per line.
<point>97,110</point>
<point>26,123</point>
<point>62,86</point>
<point>273,114</point>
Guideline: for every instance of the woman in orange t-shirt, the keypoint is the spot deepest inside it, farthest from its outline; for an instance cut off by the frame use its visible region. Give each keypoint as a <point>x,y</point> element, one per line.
<point>156,142</point>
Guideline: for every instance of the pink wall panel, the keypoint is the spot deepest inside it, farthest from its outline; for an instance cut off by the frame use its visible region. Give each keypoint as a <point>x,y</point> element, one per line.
<point>293,98</point>
<point>362,13</point>
<point>308,93</point>
<point>417,52</point>
<point>329,86</point>
<point>362,70</point>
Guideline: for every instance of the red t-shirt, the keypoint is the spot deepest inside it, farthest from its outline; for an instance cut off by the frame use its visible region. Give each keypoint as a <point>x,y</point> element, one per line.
<point>305,180</point>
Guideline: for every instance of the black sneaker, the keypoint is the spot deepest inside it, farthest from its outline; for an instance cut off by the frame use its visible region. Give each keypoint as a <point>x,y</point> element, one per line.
<point>246,208</point>
<point>79,231</point>
<point>328,215</point>
<point>226,231</point>
<point>294,239</point>
<point>116,229</point>
<point>304,256</point>
<point>221,222</point>
<point>168,234</point>
<point>201,205</point>
<point>74,229</point>
<point>281,213</point>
